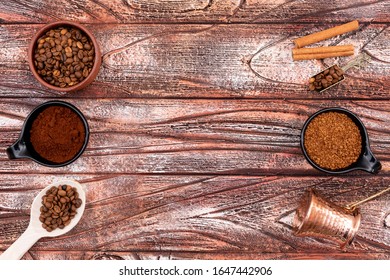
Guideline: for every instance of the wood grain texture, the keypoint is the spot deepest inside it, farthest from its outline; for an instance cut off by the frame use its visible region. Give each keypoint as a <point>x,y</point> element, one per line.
<point>209,11</point>
<point>195,122</point>
<point>160,255</point>
<point>203,216</point>
<point>194,136</point>
<point>205,61</point>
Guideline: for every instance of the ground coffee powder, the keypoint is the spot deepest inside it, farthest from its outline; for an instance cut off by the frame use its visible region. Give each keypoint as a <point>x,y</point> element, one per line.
<point>333,141</point>
<point>57,134</point>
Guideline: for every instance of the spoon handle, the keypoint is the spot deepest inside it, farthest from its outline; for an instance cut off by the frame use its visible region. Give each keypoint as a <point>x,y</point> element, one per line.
<point>21,245</point>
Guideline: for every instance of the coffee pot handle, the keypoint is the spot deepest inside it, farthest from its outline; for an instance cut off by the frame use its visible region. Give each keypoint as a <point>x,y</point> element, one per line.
<point>18,150</point>
<point>353,206</point>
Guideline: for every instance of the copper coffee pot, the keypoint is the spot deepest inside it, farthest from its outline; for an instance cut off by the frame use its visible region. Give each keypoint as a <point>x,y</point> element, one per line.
<point>317,217</point>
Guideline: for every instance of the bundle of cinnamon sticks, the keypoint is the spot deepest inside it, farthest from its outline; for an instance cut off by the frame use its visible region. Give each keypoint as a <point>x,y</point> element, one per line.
<point>300,53</point>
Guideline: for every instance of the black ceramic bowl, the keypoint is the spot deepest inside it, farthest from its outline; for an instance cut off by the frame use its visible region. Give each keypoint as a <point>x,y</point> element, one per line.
<point>366,160</point>
<point>23,148</point>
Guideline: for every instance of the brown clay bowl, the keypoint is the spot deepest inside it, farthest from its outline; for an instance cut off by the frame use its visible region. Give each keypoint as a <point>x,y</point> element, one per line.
<point>96,66</point>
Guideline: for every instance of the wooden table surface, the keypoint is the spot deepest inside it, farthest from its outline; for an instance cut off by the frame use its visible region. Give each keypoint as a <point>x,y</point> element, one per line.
<point>195,119</point>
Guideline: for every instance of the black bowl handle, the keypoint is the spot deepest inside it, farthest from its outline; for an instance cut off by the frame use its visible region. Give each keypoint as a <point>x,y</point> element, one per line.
<point>18,150</point>
<point>369,163</point>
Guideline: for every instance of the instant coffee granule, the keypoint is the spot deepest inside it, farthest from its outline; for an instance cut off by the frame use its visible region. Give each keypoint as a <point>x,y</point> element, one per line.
<point>333,141</point>
<point>59,206</point>
<point>64,56</point>
<point>57,134</point>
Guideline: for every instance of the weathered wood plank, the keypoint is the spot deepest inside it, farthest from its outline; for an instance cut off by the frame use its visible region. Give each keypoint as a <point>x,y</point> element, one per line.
<point>159,255</point>
<point>212,11</point>
<point>205,61</point>
<point>200,215</point>
<point>172,168</point>
<point>194,136</point>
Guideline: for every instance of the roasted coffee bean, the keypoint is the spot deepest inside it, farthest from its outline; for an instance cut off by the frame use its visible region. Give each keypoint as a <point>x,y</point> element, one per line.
<point>56,73</point>
<point>78,74</point>
<point>48,205</point>
<point>85,72</point>
<point>78,202</point>
<point>326,78</point>
<point>62,52</point>
<point>80,54</point>
<point>62,193</point>
<point>59,207</point>
<point>68,55</point>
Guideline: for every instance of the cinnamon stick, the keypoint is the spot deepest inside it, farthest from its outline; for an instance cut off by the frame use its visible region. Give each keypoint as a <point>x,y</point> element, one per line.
<point>326,34</point>
<point>321,55</point>
<point>343,48</point>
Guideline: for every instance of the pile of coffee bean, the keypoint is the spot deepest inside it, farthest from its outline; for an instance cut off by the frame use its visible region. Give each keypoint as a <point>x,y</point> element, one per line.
<point>59,206</point>
<point>326,78</point>
<point>64,56</point>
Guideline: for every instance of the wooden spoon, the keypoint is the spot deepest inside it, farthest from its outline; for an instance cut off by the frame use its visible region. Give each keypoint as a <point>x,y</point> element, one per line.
<point>35,231</point>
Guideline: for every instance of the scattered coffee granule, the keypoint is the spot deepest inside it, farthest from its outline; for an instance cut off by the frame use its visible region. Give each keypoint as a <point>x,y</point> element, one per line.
<point>64,56</point>
<point>57,134</point>
<point>326,78</point>
<point>333,141</point>
<point>59,206</point>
